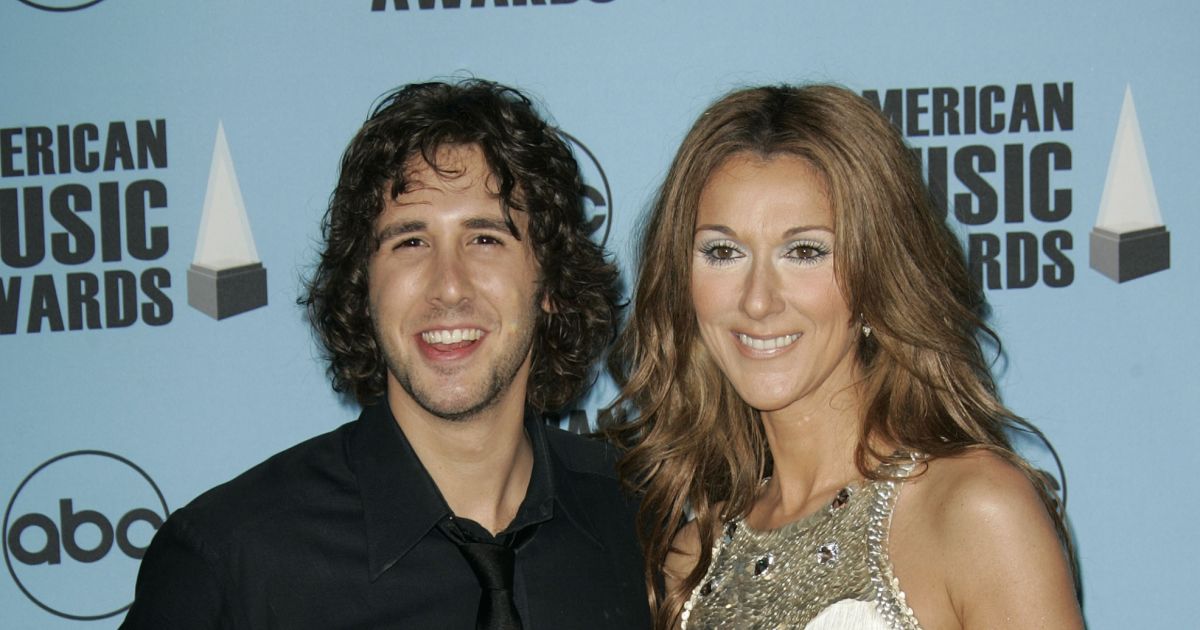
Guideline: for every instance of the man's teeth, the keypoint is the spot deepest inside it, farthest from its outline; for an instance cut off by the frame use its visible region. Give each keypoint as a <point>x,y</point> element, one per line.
<point>768,344</point>
<point>451,336</point>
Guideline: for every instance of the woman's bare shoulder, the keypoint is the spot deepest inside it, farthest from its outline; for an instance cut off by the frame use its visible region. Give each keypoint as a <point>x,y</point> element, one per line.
<point>980,522</point>
<point>685,550</point>
<point>976,499</point>
<point>975,484</point>
<point>684,554</point>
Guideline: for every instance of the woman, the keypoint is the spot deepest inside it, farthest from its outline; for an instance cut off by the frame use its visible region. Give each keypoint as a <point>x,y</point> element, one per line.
<point>804,360</point>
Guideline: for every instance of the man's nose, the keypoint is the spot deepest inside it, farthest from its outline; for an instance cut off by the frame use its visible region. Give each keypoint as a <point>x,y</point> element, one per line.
<point>449,280</point>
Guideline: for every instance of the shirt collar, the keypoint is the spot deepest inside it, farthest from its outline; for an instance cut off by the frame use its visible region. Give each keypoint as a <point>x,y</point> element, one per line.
<point>401,503</point>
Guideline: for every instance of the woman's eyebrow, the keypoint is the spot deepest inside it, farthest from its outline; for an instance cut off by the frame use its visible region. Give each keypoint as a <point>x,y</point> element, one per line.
<point>728,231</point>
<point>806,228</point>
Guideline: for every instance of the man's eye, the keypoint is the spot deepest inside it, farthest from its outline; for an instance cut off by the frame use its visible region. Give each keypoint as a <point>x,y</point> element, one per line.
<point>484,239</point>
<point>407,242</point>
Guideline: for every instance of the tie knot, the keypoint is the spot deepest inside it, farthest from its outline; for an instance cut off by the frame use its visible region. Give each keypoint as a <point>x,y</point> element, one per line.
<point>492,564</point>
<point>492,561</point>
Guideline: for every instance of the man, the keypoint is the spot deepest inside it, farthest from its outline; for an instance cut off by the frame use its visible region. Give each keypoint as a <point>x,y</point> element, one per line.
<point>457,297</point>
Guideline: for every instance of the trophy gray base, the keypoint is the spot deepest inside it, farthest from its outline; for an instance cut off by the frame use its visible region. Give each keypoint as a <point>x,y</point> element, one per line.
<point>1127,255</point>
<point>221,293</point>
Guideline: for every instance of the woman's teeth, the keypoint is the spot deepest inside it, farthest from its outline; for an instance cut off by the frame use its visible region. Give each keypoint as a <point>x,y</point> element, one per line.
<point>767,344</point>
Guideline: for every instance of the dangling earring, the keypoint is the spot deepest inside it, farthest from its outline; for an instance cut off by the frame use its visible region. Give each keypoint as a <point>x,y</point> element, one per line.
<point>866,328</point>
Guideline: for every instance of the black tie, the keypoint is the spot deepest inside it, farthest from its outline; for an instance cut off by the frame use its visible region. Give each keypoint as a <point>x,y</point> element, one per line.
<point>492,563</point>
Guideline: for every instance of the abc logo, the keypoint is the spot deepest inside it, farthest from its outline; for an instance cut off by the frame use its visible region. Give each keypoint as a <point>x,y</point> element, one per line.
<point>597,196</point>
<point>60,5</point>
<point>76,529</point>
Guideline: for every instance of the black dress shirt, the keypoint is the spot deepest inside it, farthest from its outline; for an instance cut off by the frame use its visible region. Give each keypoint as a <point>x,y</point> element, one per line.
<point>346,530</point>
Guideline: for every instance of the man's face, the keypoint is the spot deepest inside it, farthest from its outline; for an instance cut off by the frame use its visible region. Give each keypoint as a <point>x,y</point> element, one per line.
<point>454,296</point>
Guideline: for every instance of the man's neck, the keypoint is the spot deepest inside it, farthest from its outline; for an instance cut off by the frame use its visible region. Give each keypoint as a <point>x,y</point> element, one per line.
<point>481,465</point>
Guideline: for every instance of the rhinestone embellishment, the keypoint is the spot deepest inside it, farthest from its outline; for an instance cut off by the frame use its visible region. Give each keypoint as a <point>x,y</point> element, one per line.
<point>840,501</point>
<point>827,554</point>
<point>763,564</point>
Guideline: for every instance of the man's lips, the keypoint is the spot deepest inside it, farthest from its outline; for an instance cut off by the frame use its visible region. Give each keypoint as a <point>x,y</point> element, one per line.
<point>449,343</point>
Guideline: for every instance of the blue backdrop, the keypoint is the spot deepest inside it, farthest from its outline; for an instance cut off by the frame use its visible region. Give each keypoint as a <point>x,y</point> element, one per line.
<point>120,401</point>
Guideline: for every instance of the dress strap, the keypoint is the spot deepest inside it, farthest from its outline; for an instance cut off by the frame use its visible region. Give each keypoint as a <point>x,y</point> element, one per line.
<point>889,598</point>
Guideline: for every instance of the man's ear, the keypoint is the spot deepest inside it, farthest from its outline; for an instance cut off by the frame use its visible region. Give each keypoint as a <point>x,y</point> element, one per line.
<point>547,305</point>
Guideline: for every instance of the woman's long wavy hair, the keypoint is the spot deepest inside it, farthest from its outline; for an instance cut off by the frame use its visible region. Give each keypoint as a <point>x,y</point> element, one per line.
<point>692,442</point>
<point>536,174</point>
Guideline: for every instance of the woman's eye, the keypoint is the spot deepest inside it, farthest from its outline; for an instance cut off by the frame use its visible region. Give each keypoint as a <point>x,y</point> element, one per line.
<point>720,252</point>
<point>807,252</point>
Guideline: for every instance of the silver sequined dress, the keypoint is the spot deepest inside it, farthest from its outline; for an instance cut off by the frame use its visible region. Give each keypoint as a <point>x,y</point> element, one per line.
<point>827,571</point>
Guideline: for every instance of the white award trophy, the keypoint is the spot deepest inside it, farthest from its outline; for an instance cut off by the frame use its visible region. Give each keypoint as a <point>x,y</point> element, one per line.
<point>1129,240</point>
<point>226,276</point>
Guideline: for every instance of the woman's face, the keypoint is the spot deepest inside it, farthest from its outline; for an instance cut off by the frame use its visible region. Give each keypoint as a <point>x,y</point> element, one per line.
<point>769,308</point>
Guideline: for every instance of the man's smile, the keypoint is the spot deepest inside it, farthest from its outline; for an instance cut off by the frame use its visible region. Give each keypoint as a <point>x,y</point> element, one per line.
<point>448,344</point>
<point>451,336</point>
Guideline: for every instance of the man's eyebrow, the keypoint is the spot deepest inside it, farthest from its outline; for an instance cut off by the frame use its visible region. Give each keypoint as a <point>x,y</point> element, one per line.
<point>486,223</point>
<point>393,230</point>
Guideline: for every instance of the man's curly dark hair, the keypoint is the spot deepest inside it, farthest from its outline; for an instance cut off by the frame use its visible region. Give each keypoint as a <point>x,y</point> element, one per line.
<point>536,174</point>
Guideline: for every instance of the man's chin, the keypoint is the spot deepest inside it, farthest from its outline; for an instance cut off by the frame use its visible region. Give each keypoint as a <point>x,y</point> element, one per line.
<point>455,413</point>
<point>459,395</point>
<point>454,408</point>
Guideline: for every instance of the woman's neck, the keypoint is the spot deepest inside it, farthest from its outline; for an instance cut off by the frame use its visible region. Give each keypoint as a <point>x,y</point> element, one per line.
<point>812,448</point>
